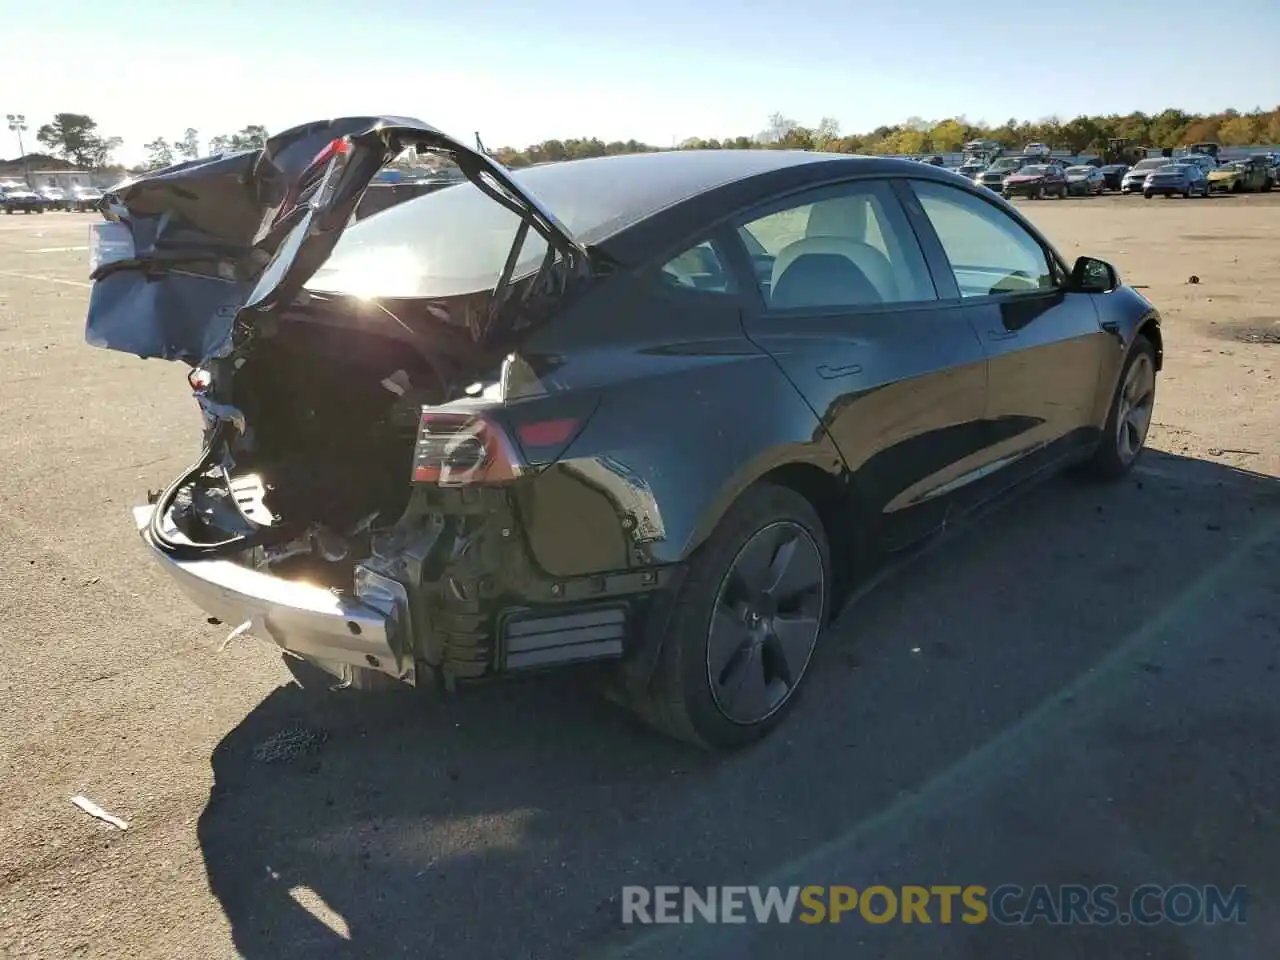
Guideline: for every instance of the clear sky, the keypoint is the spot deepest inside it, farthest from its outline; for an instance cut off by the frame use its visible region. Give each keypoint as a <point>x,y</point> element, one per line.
<point>520,71</point>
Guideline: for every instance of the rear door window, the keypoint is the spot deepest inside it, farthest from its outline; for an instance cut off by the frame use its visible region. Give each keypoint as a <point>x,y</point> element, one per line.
<point>853,243</point>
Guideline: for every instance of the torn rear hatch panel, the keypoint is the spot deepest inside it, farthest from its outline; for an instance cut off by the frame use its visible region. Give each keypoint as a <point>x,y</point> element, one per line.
<point>190,248</point>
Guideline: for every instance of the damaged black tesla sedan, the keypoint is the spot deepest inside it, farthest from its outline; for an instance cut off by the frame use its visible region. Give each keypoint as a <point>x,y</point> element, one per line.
<point>659,411</point>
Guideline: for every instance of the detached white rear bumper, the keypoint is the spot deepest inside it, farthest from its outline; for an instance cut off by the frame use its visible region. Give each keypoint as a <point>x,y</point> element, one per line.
<point>368,631</point>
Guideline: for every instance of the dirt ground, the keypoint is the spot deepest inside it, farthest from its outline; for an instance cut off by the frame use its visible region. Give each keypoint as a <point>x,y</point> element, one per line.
<point>1081,689</point>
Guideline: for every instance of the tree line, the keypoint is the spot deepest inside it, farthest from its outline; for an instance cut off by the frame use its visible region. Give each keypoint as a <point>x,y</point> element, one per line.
<point>915,136</point>
<point>76,138</point>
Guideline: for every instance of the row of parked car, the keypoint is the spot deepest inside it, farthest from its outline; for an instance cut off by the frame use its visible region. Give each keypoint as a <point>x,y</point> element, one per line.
<point>19,198</point>
<point>1037,175</point>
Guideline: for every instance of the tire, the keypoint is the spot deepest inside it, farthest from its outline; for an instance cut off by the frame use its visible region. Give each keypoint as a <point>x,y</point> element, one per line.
<point>1147,194</point>
<point>1236,188</point>
<point>1266,187</point>
<point>1039,194</point>
<point>1118,450</point>
<point>697,692</point>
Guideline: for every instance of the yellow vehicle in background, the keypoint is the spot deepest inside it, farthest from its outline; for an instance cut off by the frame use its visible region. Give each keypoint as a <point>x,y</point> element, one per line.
<point>1239,176</point>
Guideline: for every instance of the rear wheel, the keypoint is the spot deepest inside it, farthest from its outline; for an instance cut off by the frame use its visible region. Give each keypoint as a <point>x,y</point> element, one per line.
<point>744,625</point>
<point>1129,419</point>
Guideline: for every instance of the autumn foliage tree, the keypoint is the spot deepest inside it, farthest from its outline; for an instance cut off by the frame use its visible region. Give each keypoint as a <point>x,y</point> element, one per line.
<point>914,136</point>
<point>1169,128</point>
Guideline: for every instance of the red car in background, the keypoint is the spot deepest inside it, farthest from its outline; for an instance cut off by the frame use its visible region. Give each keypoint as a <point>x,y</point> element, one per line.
<point>1037,181</point>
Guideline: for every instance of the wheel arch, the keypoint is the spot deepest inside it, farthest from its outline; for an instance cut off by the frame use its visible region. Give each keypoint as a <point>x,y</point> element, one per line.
<point>824,483</point>
<point>1150,328</point>
<point>813,470</point>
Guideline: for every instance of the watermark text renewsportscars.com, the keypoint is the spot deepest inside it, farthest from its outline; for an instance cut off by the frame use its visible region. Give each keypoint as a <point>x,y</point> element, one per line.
<point>1007,904</point>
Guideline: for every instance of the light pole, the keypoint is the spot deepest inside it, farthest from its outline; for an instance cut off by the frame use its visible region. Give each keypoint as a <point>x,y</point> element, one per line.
<point>18,123</point>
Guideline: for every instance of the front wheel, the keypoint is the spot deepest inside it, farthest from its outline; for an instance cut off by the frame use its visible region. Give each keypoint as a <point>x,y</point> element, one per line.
<point>1147,194</point>
<point>744,625</point>
<point>1129,419</point>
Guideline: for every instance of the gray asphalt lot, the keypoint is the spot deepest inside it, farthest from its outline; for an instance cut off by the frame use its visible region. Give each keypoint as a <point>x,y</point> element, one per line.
<point>1081,688</point>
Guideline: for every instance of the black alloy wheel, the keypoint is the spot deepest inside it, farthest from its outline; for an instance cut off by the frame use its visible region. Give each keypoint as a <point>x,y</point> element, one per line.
<point>1129,419</point>
<point>743,627</point>
<point>765,622</point>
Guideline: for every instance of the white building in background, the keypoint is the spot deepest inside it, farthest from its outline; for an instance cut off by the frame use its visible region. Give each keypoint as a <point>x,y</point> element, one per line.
<point>62,179</point>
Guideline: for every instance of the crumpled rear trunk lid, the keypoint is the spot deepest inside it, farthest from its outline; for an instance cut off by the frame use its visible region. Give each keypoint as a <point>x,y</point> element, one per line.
<point>189,249</point>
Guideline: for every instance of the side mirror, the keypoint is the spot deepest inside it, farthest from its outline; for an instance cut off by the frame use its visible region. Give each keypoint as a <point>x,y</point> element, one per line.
<point>1094,276</point>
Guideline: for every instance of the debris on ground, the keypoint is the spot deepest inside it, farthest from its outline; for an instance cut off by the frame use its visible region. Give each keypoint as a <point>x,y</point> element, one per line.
<point>93,810</point>
<point>255,626</point>
<point>289,744</point>
<point>1193,279</point>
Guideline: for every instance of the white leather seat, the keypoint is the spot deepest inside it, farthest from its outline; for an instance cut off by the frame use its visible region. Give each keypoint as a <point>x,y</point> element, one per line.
<point>835,227</point>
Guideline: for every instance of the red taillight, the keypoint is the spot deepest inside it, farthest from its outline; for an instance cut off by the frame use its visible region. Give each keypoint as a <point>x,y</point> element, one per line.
<point>333,147</point>
<point>200,380</point>
<point>547,433</point>
<point>339,147</point>
<point>456,449</point>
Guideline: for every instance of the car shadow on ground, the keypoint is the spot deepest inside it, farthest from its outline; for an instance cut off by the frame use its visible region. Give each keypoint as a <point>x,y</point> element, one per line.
<point>504,822</point>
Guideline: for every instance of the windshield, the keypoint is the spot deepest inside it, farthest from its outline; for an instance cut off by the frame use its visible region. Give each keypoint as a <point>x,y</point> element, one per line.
<point>1006,163</point>
<point>1036,170</point>
<point>1079,171</point>
<point>1233,165</point>
<point>1151,164</point>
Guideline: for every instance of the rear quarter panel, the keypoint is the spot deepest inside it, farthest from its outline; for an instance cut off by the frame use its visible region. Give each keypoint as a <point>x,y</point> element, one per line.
<point>688,414</point>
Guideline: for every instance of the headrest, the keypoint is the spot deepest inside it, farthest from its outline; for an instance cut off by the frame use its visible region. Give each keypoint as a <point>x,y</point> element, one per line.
<point>821,279</point>
<point>838,217</point>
